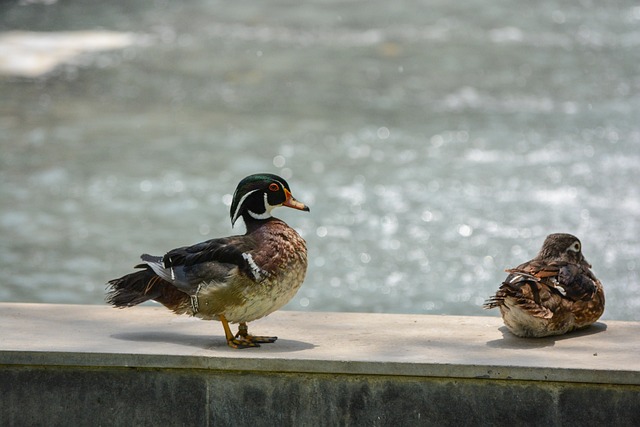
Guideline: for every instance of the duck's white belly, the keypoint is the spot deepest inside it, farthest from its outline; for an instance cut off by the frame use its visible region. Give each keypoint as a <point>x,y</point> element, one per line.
<point>261,302</point>
<point>251,300</point>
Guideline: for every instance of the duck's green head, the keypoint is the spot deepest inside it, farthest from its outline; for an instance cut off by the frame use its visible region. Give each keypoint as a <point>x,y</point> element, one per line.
<point>257,195</point>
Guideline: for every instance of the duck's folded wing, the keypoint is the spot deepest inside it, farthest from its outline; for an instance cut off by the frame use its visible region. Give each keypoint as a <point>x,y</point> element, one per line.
<point>208,262</point>
<point>578,283</point>
<point>187,279</point>
<point>530,293</point>
<point>227,250</point>
<point>573,281</point>
<point>538,269</point>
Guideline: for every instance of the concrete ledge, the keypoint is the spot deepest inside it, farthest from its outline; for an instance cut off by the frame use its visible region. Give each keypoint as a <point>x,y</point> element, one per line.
<point>66,364</point>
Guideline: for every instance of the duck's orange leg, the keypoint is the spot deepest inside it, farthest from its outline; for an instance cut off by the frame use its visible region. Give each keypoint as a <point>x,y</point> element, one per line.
<point>237,341</point>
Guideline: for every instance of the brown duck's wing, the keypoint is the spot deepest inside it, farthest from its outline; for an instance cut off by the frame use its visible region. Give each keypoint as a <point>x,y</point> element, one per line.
<point>539,268</point>
<point>530,286</point>
<point>578,282</point>
<point>535,295</point>
<point>574,281</point>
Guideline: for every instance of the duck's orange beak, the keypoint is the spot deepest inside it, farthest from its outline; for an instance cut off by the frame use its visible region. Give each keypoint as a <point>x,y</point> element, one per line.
<point>293,203</point>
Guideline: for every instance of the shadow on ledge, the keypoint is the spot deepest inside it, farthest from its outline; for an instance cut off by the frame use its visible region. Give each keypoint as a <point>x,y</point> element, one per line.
<point>510,340</point>
<point>209,342</point>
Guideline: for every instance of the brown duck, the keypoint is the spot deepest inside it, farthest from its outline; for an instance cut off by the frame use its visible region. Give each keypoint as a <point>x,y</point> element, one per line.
<point>552,294</point>
<point>234,279</point>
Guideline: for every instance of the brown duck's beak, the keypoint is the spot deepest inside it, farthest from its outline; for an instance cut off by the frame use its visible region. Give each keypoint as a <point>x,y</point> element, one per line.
<point>293,203</point>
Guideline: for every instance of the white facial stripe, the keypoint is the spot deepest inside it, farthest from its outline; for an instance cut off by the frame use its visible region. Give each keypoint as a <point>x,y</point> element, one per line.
<point>260,216</point>
<point>237,212</point>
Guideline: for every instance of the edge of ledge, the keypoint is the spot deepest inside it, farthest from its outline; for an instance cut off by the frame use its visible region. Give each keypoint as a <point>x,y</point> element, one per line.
<point>334,343</point>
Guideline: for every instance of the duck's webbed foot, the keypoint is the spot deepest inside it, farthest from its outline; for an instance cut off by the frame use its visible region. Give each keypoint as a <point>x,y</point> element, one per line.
<point>243,334</point>
<point>240,342</point>
<point>242,339</point>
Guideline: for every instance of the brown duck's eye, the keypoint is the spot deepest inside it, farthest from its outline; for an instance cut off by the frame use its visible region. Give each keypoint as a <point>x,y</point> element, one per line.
<point>575,247</point>
<point>274,187</point>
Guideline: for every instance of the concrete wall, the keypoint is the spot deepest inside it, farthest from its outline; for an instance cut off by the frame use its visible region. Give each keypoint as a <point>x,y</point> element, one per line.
<point>90,365</point>
<point>173,397</point>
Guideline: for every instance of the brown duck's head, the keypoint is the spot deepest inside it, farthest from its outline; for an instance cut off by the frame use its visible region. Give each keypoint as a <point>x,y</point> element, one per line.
<point>563,247</point>
<point>257,195</point>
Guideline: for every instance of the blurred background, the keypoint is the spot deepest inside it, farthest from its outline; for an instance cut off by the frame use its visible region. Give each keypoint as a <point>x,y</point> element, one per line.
<point>436,142</point>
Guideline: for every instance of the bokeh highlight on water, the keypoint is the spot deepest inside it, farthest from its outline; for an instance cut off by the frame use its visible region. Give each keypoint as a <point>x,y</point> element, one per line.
<point>437,143</point>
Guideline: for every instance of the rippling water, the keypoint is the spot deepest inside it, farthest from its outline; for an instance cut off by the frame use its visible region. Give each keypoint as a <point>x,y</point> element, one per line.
<point>436,142</point>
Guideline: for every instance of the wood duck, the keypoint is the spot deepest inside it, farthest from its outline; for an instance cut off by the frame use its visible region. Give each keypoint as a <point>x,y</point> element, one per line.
<point>552,294</point>
<point>234,279</point>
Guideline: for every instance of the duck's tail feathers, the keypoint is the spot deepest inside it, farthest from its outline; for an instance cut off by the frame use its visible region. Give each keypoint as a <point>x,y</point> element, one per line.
<point>134,288</point>
<point>493,302</point>
<point>144,285</point>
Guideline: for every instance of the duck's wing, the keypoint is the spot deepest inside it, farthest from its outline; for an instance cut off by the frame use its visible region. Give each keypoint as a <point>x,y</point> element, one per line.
<point>538,268</point>
<point>532,287</point>
<point>226,250</point>
<point>577,281</point>
<point>208,262</point>
<point>573,281</point>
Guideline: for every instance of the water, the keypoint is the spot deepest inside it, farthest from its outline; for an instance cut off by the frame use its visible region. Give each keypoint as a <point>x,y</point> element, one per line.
<point>436,142</point>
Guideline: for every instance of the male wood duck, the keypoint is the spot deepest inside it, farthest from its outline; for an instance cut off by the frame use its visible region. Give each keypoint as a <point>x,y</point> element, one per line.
<point>234,279</point>
<point>552,294</point>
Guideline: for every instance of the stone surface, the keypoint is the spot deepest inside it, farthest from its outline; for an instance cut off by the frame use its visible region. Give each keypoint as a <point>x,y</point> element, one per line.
<point>381,344</point>
<point>94,365</point>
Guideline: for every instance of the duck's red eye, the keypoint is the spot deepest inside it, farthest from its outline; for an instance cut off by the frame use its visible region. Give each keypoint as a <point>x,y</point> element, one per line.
<point>274,187</point>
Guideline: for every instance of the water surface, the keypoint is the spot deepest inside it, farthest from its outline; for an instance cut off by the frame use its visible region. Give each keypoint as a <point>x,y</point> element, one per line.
<point>437,143</point>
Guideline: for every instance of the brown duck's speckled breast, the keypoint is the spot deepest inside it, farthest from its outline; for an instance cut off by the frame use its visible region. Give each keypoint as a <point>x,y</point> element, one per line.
<point>282,253</point>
